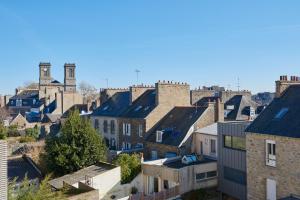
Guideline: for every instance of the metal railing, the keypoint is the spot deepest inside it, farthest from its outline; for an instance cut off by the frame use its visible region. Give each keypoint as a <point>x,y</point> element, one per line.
<point>162,195</point>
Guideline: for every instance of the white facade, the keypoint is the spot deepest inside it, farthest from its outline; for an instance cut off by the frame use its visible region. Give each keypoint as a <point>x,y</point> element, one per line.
<point>108,128</point>
<point>205,141</point>
<point>3,170</point>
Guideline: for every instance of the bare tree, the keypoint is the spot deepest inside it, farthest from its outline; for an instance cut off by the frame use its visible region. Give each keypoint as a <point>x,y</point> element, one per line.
<point>3,114</point>
<point>31,85</point>
<point>88,91</point>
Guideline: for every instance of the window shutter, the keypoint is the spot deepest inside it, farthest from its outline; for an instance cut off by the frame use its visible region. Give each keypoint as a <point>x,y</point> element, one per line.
<point>129,129</point>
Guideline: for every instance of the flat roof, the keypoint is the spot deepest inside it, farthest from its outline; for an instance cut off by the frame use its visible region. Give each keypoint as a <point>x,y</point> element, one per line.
<point>177,164</point>
<point>91,171</point>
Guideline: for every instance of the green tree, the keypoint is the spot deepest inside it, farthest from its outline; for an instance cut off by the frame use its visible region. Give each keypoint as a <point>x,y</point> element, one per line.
<point>29,191</point>
<point>3,131</point>
<point>130,166</point>
<point>32,132</point>
<point>77,146</point>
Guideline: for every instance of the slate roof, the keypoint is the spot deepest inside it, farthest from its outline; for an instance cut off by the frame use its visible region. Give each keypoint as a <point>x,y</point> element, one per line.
<point>288,124</point>
<point>80,175</point>
<point>176,125</point>
<point>292,197</point>
<point>19,167</point>
<point>114,106</point>
<point>80,107</point>
<point>26,94</point>
<point>142,106</point>
<point>241,109</point>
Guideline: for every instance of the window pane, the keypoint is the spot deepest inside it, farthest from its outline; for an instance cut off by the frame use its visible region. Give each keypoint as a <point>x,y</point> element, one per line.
<point>235,175</point>
<point>238,143</point>
<point>227,141</point>
<point>213,146</point>
<point>211,174</point>
<point>274,152</point>
<point>200,176</point>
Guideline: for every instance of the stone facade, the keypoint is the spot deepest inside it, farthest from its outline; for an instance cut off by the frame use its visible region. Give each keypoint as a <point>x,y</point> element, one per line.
<point>111,133</point>
<point>196,95</point>
<point>228,94</point>
<point>287,170</point>
<point>186,146</point>
<point>168,95</point>
<point>3,169</point>
<point>137,91</point>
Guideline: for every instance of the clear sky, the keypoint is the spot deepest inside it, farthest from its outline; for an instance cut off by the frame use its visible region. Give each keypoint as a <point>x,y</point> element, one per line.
<point>202,42</point>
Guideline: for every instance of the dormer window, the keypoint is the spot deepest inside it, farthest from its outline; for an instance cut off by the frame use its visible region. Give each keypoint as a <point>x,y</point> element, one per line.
<point>159,135</point>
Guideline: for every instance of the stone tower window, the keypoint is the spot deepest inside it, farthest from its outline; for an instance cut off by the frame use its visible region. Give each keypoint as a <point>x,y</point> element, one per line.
<point>71,73</point>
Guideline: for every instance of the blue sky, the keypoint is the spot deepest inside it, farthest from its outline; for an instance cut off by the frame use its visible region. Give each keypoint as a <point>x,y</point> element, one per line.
<point>202,42</point>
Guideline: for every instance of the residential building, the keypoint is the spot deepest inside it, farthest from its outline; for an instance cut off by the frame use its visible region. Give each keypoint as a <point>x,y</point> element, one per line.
<point>148,109</point>
<point>232,178</point>
<point>205,141</point>
<point>172,135</point>
<point>95,181</point>
<point>105,118</point>
<point>273,146</point>
<point>179,175</point>
<point>3,170</point>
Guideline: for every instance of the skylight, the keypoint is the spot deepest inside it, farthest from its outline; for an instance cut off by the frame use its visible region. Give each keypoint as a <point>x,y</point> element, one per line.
<point>105,108</point>
<point>138,108</point>
<point>281,113</point>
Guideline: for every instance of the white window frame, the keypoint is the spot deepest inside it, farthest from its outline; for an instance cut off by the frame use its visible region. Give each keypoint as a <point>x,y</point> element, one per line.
<point>271,156</point>
<point>140,130</point>
<point>215,146</point>
<point>126,129</point>
<point>159,135</point>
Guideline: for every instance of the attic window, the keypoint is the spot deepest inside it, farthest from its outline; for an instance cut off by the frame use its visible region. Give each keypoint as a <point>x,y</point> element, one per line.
<point>159,136</point>
<point>281,113</point>
<point>146,108</point>
<point>138,108</point>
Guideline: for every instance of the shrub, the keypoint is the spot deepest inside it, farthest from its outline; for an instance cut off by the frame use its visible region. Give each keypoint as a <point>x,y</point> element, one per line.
<point>130,166</point>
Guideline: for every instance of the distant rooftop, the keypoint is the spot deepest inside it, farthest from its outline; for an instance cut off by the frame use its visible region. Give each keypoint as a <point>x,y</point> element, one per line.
<point>19,167</point>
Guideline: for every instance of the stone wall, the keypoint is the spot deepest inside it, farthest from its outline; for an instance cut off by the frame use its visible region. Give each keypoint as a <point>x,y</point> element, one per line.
<point>287,170</point>
<point>134,138</point>
<point>137,91</point>
<point>196,95</point>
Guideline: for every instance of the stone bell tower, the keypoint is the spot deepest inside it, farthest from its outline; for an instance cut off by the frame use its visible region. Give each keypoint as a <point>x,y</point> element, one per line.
<point>70,78</point>
<point>45,74</point>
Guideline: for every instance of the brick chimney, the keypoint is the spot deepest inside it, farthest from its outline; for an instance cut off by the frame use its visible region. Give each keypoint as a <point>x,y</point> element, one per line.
<point>137,90</point>
<point>283,83</point>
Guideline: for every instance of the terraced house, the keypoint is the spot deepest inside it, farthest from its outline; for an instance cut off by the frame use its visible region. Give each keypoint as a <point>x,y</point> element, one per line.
<point>148,109</point>
<point>273,146</point>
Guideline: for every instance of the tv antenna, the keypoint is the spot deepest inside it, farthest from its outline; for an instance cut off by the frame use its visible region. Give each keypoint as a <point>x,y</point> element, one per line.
<point>137,76</point>
<point>238,84</point>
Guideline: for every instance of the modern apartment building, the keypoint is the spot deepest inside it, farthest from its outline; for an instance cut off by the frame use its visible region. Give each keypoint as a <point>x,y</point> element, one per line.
<point>232,178</point>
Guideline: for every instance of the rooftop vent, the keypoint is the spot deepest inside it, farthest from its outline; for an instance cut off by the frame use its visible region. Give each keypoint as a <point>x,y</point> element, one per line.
<point>188,159</point>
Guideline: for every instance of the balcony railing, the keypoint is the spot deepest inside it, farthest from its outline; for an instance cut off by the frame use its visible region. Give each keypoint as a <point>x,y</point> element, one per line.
<point>165,194</point>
